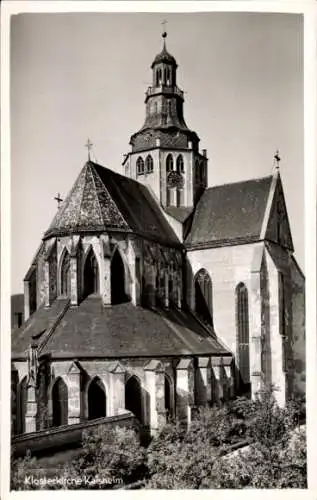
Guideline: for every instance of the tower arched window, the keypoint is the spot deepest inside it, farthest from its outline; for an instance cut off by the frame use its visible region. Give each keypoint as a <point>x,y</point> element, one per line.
<point>180,164</point>
<point>149,164</point>
<point>168,76</point>
<point>158,77</point>
<point>169,163</point>
<point>140,166</point>
<point>203,295</point>
<point>169,107</point>
<point>65,275</point>
<point>242,320</point>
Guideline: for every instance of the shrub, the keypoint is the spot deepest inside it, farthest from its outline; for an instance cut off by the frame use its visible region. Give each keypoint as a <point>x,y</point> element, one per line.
<point>111,456</point>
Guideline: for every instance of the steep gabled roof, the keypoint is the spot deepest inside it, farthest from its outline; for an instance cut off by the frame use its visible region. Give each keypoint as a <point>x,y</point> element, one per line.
<point>230,214</point>
<point>102,200</point>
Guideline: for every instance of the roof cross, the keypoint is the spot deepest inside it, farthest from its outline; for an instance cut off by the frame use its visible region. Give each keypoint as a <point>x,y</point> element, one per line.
<point>58,199</point>
<point>164,34</point>
<point>89,145</point>
<point>277,160</point>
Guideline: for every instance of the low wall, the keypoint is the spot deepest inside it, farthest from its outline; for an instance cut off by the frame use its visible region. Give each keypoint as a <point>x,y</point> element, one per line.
<point>48,441</point>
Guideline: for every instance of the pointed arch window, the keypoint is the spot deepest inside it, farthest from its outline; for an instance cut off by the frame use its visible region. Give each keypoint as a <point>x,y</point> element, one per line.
<point>180,164</point>
<point>65,275</point>
<point>203,295</point>
<point>97,399</point>
<point>169,163</point>
<point>242,320</point>
<point>140,166</point>
<point>91,274</point>
<point>149,164</point>
<point>59,403</point>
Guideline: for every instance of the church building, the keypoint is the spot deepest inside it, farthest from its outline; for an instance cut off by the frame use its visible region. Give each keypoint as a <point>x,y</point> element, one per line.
<point>153,293</point>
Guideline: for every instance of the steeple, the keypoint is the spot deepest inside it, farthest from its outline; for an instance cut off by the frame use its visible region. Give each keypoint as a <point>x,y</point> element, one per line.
<point>165,152</point>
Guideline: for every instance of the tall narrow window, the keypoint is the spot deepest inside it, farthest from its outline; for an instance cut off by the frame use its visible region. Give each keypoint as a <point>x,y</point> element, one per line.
<point>91,274</point>
<point>242,318</point>
<point>149,164</point>
<point>65,275</point>
<point>140,166</point>
<point>60,403</point>
<point>282,314</point>
<point>180,164</point>
<point>118,294</point>
<point>169,163</point>
<point>203,295</point>
<point>169,107</point>
<point>168,76</point>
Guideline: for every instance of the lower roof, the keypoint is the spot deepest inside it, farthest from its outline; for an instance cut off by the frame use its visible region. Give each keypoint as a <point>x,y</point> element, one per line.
<point>123,330</point>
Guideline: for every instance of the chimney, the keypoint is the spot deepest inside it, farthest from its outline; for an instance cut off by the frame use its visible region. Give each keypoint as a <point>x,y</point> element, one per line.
<point>205,153</point>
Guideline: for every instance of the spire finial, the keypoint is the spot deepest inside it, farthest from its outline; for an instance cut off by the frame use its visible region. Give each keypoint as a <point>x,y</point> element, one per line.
<point>164,33</point>
<point>276,160</point>
<point>88,145</point>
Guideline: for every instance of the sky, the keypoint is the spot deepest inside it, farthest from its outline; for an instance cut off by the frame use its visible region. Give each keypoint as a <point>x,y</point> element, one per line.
<point>77,76</point>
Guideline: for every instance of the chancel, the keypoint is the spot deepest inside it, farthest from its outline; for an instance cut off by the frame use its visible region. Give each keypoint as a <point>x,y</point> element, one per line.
<point>154,293</point>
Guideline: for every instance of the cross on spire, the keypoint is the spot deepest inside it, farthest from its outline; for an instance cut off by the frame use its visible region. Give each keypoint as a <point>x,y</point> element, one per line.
<point>277,159</point>
<point>163,23</point>
<point>164,34</point>
<point>88,145</point>
<point>58,199</point>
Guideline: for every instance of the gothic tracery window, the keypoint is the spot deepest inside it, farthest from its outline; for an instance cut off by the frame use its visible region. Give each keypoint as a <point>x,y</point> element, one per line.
<point>91,274</point>
<point>203,295</point>
<point>65,275</point>
<point>169,163</point>
<point>149,164</point>
<point>242,319</point>
<point>140,166</point>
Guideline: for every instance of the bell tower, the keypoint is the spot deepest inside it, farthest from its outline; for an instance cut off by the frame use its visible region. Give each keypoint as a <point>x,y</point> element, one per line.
<point>165,152</point>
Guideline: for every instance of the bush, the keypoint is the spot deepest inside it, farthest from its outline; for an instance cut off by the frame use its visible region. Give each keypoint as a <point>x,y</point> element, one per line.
<point>109,457</point>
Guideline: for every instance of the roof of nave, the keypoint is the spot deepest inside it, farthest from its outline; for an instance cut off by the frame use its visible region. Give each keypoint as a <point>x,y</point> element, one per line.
<point>230,213</point>
<point>103,200</point>
<point>123,330</point>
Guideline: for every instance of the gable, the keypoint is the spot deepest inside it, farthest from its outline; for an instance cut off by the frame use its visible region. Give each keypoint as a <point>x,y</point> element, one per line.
<point>230,214</point>
<point>277,229</point>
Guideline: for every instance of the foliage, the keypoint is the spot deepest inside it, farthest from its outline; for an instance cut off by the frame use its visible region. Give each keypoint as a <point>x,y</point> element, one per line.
<point>260,467</point>
<point>196,457</point>
<point>114,456</point>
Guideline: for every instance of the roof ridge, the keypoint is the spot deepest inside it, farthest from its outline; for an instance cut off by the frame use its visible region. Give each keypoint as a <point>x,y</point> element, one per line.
<point>110,196</point>
<point>113,172</point>
<point>83,190</point>
<point>96,193</point>
<point>255,179</point>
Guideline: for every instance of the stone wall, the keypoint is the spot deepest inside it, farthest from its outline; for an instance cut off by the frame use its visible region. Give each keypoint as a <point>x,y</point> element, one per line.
<point>181,383</point>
